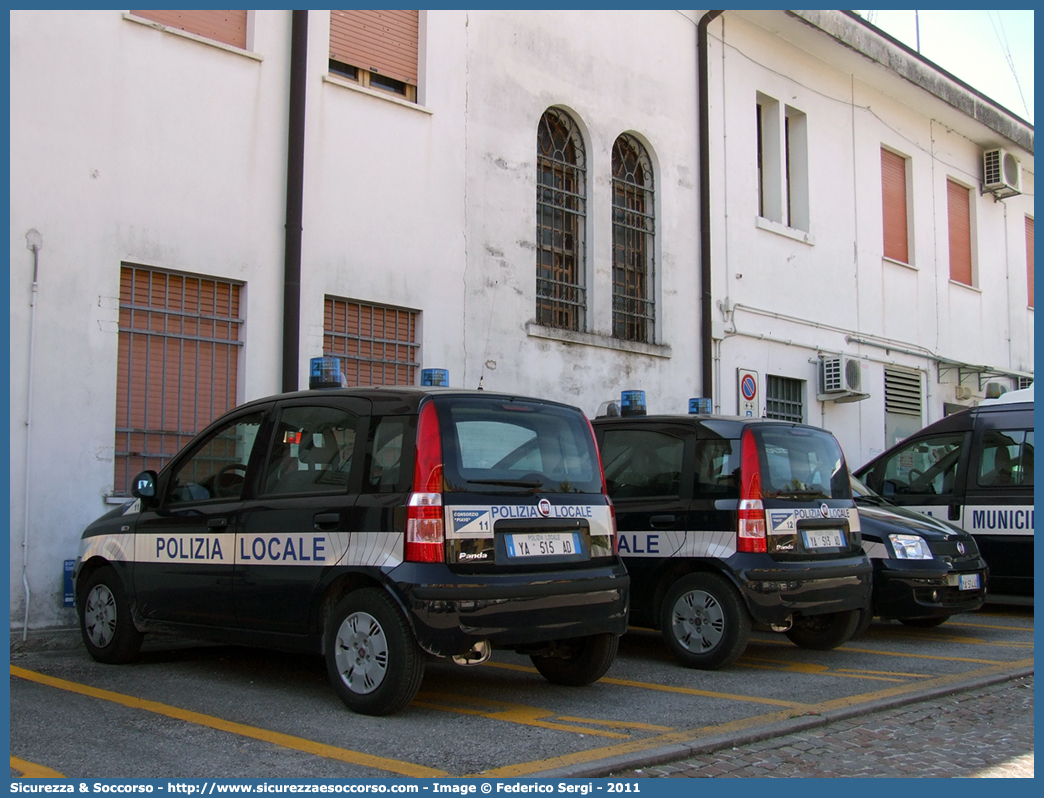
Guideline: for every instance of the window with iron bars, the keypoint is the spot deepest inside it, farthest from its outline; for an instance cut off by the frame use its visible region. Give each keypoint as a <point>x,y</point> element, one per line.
<point>177,364</point>
<point>633,230</point>
<point>784,399</point>
<point>561,297</point>
<point>376,344</point>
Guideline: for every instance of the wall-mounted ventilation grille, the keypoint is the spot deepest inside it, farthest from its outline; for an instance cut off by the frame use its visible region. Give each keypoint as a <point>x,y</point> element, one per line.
<point>902,392</point>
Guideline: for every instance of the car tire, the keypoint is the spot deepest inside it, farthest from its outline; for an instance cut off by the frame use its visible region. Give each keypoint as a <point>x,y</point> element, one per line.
<point>106,622</point>
<point>866,617</point>
<point>372,657</point>
<point>578,662</point>
<point>824,632</point>
<point>924,623</point>
<point>704,621</point>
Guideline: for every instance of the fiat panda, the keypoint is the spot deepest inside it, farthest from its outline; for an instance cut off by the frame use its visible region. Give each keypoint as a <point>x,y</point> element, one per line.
<point>377,527</point>
<point>731,523</point>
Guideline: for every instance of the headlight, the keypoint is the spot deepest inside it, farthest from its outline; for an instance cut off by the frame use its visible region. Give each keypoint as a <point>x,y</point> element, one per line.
<point>910,547</point>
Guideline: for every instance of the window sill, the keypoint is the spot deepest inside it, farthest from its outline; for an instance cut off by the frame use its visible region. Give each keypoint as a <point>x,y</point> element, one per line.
<point>965,285</point>
<point>193,37</point>
<point>591,339</point>
<point>782,230</point>
<point>380,95</point>
<point>900,263</point>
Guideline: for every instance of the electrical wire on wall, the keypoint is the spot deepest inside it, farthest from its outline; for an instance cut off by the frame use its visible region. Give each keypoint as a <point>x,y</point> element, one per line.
<point>34,242</point>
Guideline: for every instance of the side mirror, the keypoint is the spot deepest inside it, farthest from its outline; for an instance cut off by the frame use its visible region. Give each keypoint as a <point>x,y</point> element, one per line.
<point>144,485</point>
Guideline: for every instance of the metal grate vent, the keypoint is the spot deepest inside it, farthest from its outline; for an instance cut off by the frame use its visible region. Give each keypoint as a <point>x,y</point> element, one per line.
<point>992,165</point>
<point>903,392</point>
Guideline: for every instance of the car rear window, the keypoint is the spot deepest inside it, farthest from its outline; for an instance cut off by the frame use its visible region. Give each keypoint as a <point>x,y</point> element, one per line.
<point>497,446</point>
<point>799,463</point>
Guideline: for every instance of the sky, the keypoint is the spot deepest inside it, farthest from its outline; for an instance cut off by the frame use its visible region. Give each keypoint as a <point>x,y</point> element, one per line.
<point>974,46</point>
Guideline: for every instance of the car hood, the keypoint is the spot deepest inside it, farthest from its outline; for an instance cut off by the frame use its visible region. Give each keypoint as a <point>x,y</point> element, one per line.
<point>878,522</point>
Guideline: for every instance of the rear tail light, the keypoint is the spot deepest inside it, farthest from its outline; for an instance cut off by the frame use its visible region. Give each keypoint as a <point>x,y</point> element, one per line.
<point>752,526</point>
<point>425,527</point>
<point>601,473</point>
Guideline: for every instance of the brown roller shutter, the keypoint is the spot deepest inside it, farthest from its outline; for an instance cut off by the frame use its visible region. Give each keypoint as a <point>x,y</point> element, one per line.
<point>377,345</point>
<point>1029,258</point>
<point>227,27</point>
<point>958,203</point>
<point>177,364</point>
<point>893,196</point>
<point>384,42</point>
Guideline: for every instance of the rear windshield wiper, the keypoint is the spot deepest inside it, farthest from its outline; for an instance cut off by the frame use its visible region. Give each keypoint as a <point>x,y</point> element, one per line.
<point>798,494</point>
<point>510,483</point>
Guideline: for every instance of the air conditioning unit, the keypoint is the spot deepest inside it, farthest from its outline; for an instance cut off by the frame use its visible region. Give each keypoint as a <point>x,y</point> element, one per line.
<point>841,379</point>
<point>1002,173</point>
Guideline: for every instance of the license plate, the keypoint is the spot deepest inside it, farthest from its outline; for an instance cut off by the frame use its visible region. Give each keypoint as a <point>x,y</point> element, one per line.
<point>543,544</point>
<point>969,581</point>
<point>824,538</point>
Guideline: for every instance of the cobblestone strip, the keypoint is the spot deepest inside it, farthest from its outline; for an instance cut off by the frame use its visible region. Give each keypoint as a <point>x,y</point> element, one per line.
<point>983,733</point>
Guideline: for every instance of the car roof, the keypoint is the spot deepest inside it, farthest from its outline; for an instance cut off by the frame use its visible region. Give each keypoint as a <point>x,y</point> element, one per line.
<point>718,422</point>
<point>410,395</point>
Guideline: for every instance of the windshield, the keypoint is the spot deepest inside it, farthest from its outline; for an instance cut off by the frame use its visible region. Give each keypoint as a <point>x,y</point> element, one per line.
<point>501,445</point>
<point>801,463</point>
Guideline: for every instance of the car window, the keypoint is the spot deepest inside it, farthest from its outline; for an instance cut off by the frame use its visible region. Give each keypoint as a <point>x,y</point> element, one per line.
<point>384,471</point>
<point>927,466</point>
<point>717,469</point>
<point>802,463</point>
<point>1006,459</point>
<point>493,445</point>
<point>311,452</point>
<point>217,468</point>
<point>642,463</point>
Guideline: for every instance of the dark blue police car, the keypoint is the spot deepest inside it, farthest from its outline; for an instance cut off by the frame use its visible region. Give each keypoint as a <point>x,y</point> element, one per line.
<point>376,526</point>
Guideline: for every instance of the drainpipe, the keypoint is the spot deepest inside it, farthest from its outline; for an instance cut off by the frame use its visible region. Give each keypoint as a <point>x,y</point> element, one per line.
<point>294,200</point>
<point>34,241</point>
<point>706,300</point>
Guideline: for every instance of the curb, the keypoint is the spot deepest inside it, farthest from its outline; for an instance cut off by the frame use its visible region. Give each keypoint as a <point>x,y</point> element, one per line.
<point>717,742</point>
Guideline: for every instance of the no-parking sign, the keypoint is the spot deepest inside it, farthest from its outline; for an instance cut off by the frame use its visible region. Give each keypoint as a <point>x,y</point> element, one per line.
<point>749,387</point>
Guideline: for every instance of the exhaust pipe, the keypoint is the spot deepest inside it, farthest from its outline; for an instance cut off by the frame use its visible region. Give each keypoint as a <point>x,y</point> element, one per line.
<point>783,627</point>
<point>476,655</point>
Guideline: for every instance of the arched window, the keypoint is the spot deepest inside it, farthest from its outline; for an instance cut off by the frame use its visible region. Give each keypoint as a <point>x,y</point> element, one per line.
<point>561,295</point>
<point>634,309</point>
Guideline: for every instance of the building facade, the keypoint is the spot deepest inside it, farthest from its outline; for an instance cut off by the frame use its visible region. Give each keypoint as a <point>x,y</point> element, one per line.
<point>512,196</point>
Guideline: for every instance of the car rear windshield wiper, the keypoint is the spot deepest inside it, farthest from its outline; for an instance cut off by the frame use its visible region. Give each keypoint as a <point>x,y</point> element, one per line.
<point>868,499</point>
<point>510,483</point>
<point>798,494</point>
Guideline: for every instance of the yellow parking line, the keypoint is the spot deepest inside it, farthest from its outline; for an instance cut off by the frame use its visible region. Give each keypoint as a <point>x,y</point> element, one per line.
<point>275,738</point>
<point>824,672</point>
<point>666,688</point>
<point>31,770</point>
<point>690,735</point>
<point>991,626</point>
<point>511,713</point>
<point>848,648</point>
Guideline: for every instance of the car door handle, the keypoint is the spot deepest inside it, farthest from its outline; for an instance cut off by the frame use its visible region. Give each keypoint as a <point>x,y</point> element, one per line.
<point>322,520</point>
<point>217,523</point>
<point>954,513</point>
<point>661,520</point>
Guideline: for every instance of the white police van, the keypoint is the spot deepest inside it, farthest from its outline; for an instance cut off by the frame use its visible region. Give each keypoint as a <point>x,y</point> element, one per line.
<point>975,470</point>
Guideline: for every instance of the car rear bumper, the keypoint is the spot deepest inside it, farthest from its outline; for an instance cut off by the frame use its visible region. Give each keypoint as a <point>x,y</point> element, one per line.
<point>452,612</point>
<point>915,589</point>
<point>775,591</point>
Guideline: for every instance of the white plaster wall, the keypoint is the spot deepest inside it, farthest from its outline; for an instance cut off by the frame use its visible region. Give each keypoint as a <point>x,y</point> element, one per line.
<point>127,145</point>
<point>798,298</point>
<point>615,72</point>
